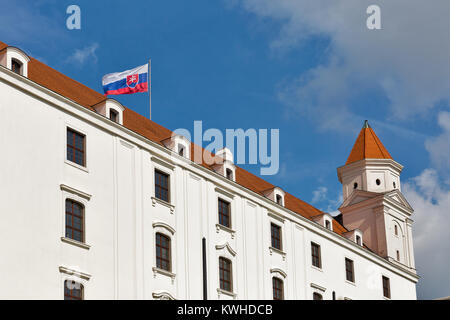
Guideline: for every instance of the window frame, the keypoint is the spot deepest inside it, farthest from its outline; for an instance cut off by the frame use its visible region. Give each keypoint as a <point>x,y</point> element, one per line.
<point>160,187</point>
<point>220,213</point>
<point>114,113</point>
<point>223,262</point>
<point>82,218</point>
<point>159,249</point>
<point>318,257</point>
<point>349,271</point>
<point>84,151</point>
<point>277,289</point>
<point>17,63</point>
<point>386,289</point>
<point>274,226</point>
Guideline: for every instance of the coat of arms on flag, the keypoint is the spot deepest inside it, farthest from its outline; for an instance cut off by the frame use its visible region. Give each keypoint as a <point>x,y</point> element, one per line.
<point>127,82</point>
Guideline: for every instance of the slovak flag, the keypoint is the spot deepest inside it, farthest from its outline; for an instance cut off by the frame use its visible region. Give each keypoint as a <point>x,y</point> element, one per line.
<point>126,82</point>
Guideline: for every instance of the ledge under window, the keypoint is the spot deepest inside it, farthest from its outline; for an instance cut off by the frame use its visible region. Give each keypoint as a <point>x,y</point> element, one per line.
<point>226,229</point>
<point>225,292</point>
<point>75,243</point>
<point>163,272</point>
<point>75,165</point>
<point>163,203</point>
<point>278,251</point>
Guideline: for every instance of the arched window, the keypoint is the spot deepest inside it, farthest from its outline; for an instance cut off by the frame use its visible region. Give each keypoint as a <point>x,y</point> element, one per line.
<point>225,274</point>
<point>73,290</point>
<point>229,174</point>
<point>163,258</point>
<point>396,230</point>
<point>16,66</point>
<point>328,224</point>
<point>74,220</point>
<point>378,182</point>
<point>317,296</point>
<point>279,200</point>
<point>355,185</point>
<point>278,289</point>
<point>181,150</point>
<point>358,240</point>
<point>398,255</point>
<point>113,115</point>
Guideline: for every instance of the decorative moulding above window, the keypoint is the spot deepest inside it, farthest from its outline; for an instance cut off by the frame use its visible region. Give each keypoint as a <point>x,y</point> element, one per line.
<point>276,194</point>
<point>225,193</point>
<point>279,272</point>
<point>162,295</point>
<point>226,246</point>
<point>73,272</point>
<point>75,191</point>
<point>108,108</point>
<point>10,57</point>
<point>159,224</point>
<point>162,163</point>
<point>316,286</point>
<point>178,144</point>
<point>276,216</point>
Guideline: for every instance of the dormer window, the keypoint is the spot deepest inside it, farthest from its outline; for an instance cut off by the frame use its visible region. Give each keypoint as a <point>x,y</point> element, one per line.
<point>358,240</point>
<point>229,174</point>
<point>113,115</point>
<point>328,224</point>
<point>178,144</point>
<point>181,151</point>
<point>279,199</point>
<point>16,66</point>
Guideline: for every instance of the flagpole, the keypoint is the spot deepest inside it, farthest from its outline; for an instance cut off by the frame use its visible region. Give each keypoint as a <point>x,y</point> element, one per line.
<point>150,85</point>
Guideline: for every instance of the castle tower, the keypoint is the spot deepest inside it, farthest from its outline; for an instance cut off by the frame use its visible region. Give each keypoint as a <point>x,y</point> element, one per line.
<point>373,202</point>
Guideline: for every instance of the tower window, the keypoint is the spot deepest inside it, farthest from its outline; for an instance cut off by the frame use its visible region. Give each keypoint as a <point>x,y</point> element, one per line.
<point>398,255</point>
<point>113,115</point>
<point>16,66</point>
<point>355,185</point>
<point>378,182</point>
<point>73,290</point>
<point>386,287</point>
<point>225,274</point>
<point>276,236</point>
<point>181,150</point>
<point>74,220</point>
<point>163,259</point>
<point>315,255</point>
<point>396,230</point>
<point>278,290</point>
<point>393,183</point>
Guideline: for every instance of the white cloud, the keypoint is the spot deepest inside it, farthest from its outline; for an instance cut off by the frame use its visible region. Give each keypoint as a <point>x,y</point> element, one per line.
<point>407,60</point>
<point>431,201</point>
<point>80,56</point>
<point>319,195</point>
<point>439,147</point>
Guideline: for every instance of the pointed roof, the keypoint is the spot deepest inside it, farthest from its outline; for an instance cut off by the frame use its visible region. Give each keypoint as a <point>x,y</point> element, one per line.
<point>367,146</point>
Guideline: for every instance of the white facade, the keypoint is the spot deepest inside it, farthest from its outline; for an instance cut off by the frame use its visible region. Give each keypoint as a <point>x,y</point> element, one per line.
<point>122,216</point>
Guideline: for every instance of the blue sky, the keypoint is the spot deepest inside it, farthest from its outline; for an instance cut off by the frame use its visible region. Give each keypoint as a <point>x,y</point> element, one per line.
<point>313,71</point>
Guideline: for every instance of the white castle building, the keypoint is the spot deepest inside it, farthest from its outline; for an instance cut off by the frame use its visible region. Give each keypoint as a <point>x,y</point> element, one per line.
<point>98,202</point>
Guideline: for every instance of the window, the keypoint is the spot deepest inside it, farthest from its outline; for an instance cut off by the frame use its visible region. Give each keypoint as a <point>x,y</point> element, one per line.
<point>358,240</point>
<point>225,274</point>
<point>229,174</point>
<point>76,143</point>
<point>315,255</point>
<point>162,186</point>
<point>74,220</point>
<point>378,182</point>
<point>398,255</point>
<point>393,183</point>
<point>386,287</point>
<point>279,200</point>
<point>396,230</point>
<point>73,290</point>
<point>276,236</point>
<point>349,272</point>
<point>224,213</point>
<point>16,66</point>
<point>163,252</point>
<point>355,185</point>
<point>328,224</point>
<point>317,296</point>
<point>181,150</point>
<point>278,290</point>
<point>113,115</point>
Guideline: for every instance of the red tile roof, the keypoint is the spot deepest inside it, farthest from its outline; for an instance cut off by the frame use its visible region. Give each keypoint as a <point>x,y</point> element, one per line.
<point>367,146</point>
<point>77,92</point>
